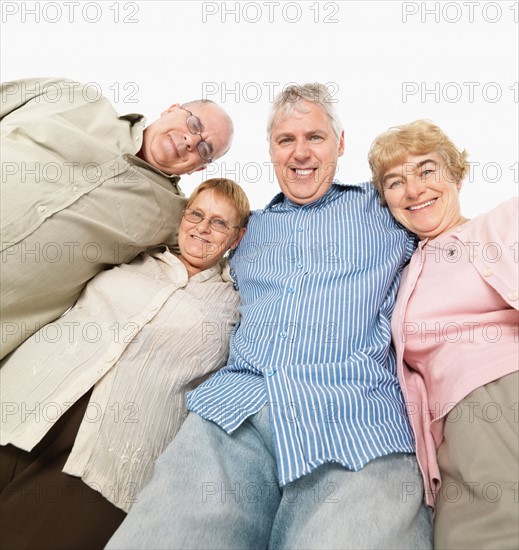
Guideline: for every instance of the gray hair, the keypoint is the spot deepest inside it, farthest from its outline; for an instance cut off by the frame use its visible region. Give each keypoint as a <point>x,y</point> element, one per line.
<point>289,100</point>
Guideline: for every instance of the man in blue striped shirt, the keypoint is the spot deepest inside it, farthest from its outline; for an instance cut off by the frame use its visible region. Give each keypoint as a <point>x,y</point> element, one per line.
<point>302,440</point>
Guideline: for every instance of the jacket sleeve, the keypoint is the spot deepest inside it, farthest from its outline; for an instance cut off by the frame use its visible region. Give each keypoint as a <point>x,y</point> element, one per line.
<point>17,93</point>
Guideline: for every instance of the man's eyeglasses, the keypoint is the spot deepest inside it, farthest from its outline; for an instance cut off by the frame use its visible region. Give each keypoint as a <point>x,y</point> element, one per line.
<point>195,126</point>
<point>194,216</point>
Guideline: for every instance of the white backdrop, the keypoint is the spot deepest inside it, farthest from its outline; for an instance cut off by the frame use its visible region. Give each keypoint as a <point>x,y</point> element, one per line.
<point>386,62</point>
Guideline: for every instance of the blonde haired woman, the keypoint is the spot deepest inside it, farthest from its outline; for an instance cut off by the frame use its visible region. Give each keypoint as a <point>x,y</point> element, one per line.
<point>455,327</point>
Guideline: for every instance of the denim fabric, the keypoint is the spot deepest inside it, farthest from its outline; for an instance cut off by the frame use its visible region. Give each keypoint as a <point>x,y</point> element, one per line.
<point>213,490</point>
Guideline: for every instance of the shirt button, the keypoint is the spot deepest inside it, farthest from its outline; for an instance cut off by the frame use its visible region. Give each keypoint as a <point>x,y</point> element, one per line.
<point>154,308</point>
<point>459,229</point>
<point>299,266</point>
<point>513,296</point>
<point>487,272</point>
<point>75,188</point>
<point>283,335</point>
<point>108,358</point>
<point>41,209</point>
<point>270,372</point>
<point>300,229</point>
<point>291,290</point>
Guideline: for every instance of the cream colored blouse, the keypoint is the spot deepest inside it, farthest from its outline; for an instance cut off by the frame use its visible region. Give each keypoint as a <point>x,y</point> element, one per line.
<point>142,334</point>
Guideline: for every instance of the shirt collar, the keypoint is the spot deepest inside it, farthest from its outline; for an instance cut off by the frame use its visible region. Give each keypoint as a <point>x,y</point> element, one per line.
<point>216,272</point>
<point>136,161</point>
<point>457,232</point>
<point>336,187</point>
<point>133,118</point>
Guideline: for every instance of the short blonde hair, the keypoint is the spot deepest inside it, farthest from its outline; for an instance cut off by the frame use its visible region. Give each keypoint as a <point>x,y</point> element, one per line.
<point>416,138</point>
<point>230,190</point>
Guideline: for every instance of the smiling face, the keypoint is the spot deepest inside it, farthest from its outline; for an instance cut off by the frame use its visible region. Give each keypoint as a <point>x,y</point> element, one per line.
<point>202,247</point>
<point>169,145</point>
<point>305,150</point>
<point>423,195</point>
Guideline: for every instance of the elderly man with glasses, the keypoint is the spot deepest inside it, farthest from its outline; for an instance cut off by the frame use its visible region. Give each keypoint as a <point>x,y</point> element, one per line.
<point>84,189</point>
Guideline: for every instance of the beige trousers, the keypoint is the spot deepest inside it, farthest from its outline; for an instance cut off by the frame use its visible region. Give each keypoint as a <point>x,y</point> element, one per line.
<point>477,506</point>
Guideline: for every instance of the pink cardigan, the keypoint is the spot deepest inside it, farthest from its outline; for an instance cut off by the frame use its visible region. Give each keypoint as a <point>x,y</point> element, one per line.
<point>492,243</point>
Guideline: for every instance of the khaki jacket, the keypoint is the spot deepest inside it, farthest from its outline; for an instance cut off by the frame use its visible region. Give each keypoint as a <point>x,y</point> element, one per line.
<point>74,199</point>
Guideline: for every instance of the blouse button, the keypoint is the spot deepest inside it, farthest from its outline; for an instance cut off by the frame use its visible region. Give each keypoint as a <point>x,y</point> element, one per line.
<point>513,296</point>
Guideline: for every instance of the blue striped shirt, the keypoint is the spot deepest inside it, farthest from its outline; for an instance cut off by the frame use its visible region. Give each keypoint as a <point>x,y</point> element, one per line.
<point>318,285</point>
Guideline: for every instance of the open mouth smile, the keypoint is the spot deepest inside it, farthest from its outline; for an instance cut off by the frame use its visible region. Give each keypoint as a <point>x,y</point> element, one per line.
<point>303,171</point>
<point>199,238</point>
<point>420,206</point>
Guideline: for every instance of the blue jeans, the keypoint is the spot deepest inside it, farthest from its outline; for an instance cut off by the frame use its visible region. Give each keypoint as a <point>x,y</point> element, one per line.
<point>219,491</point>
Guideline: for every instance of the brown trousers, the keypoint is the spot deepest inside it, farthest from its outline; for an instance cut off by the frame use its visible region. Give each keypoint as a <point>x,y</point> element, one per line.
<point>43,508</point>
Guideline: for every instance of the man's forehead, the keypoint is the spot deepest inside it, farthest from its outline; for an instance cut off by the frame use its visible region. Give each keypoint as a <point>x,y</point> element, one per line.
<point>207,109</point>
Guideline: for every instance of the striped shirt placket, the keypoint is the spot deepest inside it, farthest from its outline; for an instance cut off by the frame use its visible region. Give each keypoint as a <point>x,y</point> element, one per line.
<point>291,403</point>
